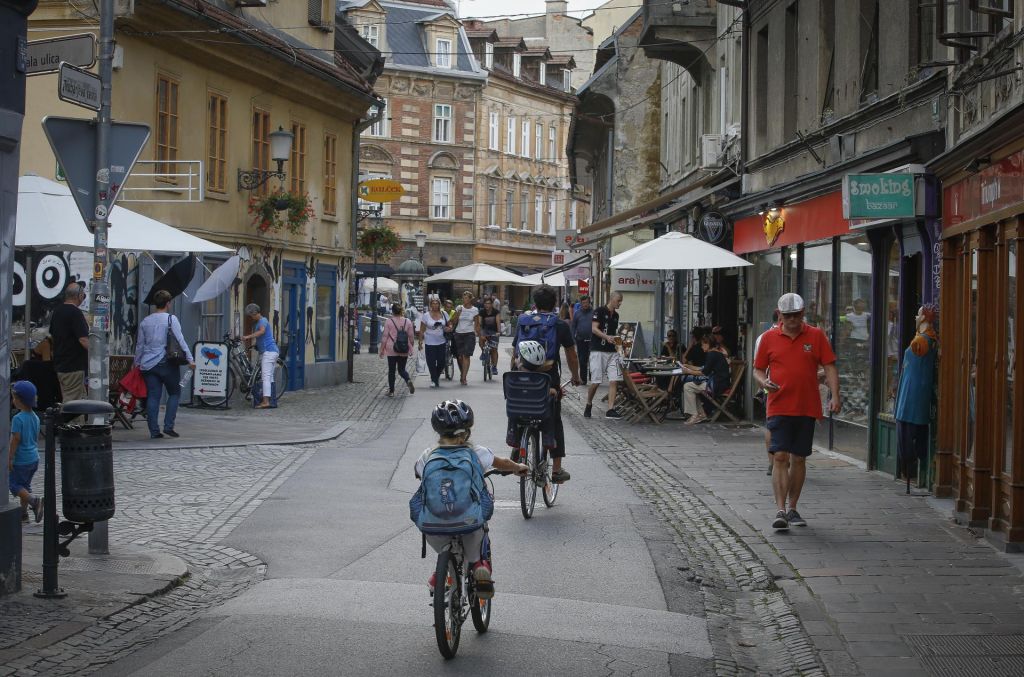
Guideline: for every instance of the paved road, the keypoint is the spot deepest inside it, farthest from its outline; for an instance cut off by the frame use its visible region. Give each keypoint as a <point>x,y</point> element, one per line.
<point>580,586</point>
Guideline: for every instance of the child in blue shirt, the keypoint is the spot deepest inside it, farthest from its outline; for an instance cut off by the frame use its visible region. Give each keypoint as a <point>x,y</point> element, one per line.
<point>23,456</point>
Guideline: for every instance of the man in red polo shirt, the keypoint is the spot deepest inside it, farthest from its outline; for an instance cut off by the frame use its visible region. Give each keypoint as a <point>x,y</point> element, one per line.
<point>792,352</point>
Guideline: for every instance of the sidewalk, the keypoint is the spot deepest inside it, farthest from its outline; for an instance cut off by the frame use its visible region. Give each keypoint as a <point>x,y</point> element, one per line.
<point>884,583</point>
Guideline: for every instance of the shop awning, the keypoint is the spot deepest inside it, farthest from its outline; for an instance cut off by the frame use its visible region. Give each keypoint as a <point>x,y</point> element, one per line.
<point>667,207</point>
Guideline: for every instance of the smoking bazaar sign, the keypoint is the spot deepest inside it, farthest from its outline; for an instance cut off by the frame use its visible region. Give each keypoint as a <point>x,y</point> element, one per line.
<point>879,196</point>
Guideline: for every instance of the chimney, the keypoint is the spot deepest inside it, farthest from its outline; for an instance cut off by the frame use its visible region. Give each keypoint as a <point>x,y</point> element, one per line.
<point>557,6</point>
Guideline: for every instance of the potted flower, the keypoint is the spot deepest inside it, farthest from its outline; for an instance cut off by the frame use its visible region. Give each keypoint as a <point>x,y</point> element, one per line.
<point>378,242</point>
<point>283,209</point>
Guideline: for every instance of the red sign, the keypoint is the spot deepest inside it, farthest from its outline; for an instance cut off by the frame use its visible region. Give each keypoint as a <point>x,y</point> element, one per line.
<point>996,187</point>
<point>583,287</point>
<point>813,219</point>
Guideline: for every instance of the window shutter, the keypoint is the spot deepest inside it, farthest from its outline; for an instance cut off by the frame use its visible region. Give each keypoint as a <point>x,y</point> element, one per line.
<point>316,12</point>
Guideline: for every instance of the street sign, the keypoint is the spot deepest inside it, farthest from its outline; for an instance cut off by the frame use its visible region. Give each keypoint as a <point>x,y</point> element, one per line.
<point>79,87</point>
<point>73,141</point>
<point>878,196</point>
<point>559,258</point>
<point>45,56</point>
<point>211,377</point>
<point>380,190</point>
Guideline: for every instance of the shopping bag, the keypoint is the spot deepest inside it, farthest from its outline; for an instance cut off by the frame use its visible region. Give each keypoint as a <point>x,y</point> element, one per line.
<point>134,383</point>
<point>421,362</point>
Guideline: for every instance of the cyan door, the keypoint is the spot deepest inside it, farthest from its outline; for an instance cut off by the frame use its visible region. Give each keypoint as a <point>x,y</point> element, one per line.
<point>293,323</point>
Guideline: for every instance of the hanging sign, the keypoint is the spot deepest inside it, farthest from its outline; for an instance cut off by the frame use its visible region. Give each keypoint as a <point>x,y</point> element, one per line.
<point>878,196</point>
<point>712,227</point>
<point>211,377</point>
<point>380,190</point>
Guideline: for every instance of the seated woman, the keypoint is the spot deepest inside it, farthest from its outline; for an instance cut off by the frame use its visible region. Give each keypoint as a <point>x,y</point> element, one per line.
<point>671,348</point>
<point>716,378</point>
<point>694,355</point>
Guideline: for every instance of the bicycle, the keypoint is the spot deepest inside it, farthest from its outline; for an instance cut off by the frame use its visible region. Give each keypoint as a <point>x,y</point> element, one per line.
<point>449,359</point>
<point>454,595</point>
<point>528,400</point>
<point>244,371</point>
<point>485,357</point>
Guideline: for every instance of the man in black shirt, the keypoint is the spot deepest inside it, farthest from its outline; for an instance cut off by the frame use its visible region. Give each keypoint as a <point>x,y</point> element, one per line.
<point>70,333</point>
<point>545,298</point>
<point>605,365</point>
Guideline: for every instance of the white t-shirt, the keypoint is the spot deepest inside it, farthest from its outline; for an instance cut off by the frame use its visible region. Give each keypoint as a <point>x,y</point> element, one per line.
<point>859,332</point>
<point>466,317</point>
<point>485,455</point>
<point>434,335</point>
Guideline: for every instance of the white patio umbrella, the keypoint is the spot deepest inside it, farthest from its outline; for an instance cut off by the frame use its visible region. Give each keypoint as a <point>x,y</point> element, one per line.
<point>676,251</point>
<point>479,273</point>
<point>384,284</point>
<point>555,280</point>
<point>220,281</point>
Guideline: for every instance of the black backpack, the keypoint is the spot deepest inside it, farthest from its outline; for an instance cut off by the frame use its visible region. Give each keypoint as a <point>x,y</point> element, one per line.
<point>401,344</point>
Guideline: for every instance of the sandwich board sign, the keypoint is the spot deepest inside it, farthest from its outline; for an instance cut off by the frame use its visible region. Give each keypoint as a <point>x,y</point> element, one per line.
<point>73,141</point>
<point>211,376</point>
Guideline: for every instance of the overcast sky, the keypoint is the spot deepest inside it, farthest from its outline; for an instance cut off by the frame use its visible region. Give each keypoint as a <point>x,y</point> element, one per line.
<point>472,8</point>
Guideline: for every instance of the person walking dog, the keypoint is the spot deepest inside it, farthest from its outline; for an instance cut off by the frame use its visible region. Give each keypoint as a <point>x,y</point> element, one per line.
<point>792,351</point>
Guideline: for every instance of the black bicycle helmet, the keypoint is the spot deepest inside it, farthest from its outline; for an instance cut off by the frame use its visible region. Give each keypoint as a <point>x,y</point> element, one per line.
<point>451,417</point>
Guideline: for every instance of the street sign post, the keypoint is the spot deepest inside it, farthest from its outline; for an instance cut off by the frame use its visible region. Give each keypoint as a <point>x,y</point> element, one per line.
<point>79,87</point>
<point>73,141</point>
<point>46,56</point>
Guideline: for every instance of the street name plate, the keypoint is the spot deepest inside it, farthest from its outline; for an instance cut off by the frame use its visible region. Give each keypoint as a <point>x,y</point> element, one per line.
<point>45,56</point>
<point>79,87</point>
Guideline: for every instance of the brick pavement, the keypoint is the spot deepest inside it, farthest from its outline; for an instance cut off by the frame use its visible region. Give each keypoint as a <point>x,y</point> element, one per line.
<point>180,501</point>
<point>882,583</point>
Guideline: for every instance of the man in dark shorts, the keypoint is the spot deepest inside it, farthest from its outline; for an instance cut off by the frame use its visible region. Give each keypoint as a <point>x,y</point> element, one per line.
<point>70,333</point>
<point>792,351</point>
<point>546,298</point>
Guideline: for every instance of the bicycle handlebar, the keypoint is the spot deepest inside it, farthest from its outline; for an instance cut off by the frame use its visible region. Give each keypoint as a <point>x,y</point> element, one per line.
<point>493,471</point>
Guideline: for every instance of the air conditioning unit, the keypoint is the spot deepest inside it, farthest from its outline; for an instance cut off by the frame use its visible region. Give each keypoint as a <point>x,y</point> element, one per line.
<point>711,151</point>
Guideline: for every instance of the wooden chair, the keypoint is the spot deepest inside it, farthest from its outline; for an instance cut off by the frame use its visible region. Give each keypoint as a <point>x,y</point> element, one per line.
<point>642,400</point>
<point>120,365</point>
<point>721,401</point>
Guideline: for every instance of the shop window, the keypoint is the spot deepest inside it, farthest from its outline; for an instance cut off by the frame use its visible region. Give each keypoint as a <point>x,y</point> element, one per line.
<point>891,376</point>
<point>972,357</point>
<point>853,333</point>
<point>816,288</point>
<point>326,303</point>
<point>1011,353</point>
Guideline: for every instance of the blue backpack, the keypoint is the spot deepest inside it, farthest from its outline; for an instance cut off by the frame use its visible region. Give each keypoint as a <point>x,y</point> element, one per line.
<point>452,498</point>
<point>540,327</point>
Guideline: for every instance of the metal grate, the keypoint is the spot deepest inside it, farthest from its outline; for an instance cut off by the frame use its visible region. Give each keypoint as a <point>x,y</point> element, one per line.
<point>970,655</point>
<point>119,566</point>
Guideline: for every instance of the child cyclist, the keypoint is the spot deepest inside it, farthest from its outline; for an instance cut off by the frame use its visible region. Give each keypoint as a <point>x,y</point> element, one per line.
<point>441,469</point>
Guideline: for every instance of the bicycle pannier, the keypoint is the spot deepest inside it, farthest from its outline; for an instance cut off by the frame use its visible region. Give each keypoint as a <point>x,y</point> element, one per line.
<point>452,498</point>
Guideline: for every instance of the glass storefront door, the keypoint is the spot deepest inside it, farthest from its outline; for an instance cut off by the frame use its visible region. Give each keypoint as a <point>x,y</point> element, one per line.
<point>817,293</point>
<point>852,345</point>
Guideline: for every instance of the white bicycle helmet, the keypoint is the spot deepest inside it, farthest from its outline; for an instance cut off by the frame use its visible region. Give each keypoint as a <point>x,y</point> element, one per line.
<point>532,353</point>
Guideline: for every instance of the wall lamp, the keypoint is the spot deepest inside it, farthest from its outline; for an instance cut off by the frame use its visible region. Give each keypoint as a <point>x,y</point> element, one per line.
<point>280,148</point>
<point>977,164</point>
<point>771,208</point>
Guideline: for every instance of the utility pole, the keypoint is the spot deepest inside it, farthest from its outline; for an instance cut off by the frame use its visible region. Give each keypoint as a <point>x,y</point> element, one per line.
<point>99,358</point>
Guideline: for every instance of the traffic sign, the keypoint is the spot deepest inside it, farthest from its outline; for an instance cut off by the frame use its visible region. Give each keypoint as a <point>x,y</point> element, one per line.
<point>79,87</point>
<point>45,56</point>
<point>73,141</point>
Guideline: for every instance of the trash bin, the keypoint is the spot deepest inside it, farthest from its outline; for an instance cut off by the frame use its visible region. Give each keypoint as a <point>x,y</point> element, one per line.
<point>86,465</point>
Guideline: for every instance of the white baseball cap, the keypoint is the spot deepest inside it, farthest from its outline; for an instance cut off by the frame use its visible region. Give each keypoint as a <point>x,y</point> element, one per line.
<point>791,303</point>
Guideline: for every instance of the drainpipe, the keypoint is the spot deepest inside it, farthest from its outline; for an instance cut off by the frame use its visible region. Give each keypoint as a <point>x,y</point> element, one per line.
<point>358,127</point>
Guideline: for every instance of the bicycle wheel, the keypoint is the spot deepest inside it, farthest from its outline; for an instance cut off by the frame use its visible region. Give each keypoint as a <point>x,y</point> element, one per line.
<point>485,360</point>
<point>449,365</point>
<point>550,492</point>
<point>447,605</point>
<point>530,443</point>
<point>281,378</point>
<point>480,608</point>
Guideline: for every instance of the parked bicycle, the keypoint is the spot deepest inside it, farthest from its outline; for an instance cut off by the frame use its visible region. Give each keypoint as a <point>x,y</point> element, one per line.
<point>455,595</point>
<point>243,373</point>
<point>528,401</point>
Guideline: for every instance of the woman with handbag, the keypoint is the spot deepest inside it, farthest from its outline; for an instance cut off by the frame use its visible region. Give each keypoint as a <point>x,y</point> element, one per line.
<point>160,351</point>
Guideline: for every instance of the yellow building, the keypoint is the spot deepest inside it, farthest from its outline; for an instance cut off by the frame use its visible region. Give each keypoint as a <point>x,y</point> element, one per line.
<point>213,83</point>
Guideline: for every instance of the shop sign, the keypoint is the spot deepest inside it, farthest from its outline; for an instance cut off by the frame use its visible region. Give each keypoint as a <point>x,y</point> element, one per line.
<point>996,187</point>
<point>558,258</point>
<point>879,196</point>
<point>380,190</point>
<point>211,377</point>
<point>583,286</point>
<point>712,227</point>
<point>568,238</point>
<point>634,280</point>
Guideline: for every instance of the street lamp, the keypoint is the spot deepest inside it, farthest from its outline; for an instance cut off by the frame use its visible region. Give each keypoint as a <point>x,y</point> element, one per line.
<point>421,242</point>
<point>280,148</point>
<point>378,222</point>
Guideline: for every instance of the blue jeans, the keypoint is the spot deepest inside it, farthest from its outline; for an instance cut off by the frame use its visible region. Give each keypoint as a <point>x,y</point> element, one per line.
<point>159,377</point>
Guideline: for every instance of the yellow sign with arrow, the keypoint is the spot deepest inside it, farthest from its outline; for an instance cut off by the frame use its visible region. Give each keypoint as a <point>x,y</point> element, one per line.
<point>380,190</point>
